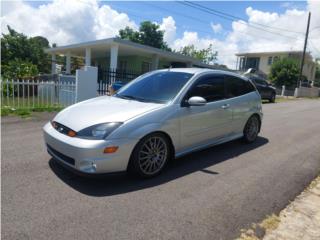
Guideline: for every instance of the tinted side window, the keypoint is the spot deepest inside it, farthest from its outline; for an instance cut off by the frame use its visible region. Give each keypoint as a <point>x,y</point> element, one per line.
<point>259,81</point>
<point>237,87</point>
<point>210,88</point>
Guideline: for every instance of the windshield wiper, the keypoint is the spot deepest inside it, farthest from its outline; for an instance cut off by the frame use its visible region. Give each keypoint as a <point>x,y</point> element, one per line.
<point>129,97</point>
<point>125,96</point>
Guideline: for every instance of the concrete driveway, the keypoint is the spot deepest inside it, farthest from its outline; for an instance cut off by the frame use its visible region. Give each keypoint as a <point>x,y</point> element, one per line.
<point>210,194</point>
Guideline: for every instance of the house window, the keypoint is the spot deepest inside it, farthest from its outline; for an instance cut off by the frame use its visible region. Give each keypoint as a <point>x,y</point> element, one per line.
<point>276,58</point>
<point>145,67</point>
<point>123,65</point>
<point>269,60</point>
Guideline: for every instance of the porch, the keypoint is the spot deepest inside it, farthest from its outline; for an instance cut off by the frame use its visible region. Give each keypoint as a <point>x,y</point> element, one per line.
<point>120,60</point>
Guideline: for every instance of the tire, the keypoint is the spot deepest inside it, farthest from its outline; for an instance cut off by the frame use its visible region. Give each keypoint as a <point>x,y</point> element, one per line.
<point>251,129</point>
<point>272,99</point>
<point>150,156</point>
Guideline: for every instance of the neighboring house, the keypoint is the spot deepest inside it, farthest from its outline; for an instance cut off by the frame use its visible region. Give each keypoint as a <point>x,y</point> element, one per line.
<point>262,61</point>
<point>127,58</point>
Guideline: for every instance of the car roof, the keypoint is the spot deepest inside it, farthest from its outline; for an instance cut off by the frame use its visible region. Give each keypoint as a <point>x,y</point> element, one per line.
<point>202,70</point>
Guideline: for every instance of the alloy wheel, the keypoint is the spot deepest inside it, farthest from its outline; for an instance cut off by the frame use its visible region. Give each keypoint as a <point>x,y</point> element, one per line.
<point>153,155</point>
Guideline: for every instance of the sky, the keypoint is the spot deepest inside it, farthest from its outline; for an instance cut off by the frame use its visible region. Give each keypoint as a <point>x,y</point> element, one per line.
<point>251,26</point>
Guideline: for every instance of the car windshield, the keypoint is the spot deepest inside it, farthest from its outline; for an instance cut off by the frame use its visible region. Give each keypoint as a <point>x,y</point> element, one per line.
<point>159,87</point>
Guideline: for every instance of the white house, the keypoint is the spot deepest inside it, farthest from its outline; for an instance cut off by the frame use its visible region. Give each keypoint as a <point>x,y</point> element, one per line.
<point>262,61</point>
<point>115,53</point>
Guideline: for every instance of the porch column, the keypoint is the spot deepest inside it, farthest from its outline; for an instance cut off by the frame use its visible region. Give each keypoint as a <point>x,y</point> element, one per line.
<point>114,56</point>
<point>53,63</point>
<point>68,62</point>
<point>88,57</point>
<point>155,62</point>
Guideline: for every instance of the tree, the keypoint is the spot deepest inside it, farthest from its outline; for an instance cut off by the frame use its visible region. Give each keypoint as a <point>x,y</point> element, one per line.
<point>284,71</point>
<point>206,55</point>
<point>19,49</point>
<point>16,69</point>
<point>149,34</point>
<point>129,34</point>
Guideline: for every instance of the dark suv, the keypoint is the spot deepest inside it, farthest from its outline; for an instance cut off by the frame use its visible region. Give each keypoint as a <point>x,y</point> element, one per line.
<point>266,90</point>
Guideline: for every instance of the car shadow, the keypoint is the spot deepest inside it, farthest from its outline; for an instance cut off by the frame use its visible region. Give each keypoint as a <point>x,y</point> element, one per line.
<point>123,183</point>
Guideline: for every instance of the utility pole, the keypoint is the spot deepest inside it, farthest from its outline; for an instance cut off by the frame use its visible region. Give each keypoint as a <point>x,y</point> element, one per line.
<point>304,51</point>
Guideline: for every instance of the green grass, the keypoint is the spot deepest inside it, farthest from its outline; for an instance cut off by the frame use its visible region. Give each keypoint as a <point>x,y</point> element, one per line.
<point>24,107</point>
<point>26,112</point>
<point>31,102</point>
<point>287,99</point>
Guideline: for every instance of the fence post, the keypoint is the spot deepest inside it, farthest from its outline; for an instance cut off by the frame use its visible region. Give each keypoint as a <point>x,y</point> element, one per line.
<point>283,90</point>
<point>296,92</point>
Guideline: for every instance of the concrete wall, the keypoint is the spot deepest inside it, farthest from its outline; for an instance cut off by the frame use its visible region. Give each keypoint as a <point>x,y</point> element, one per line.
<point>306,92</point>
<point>86,83</point>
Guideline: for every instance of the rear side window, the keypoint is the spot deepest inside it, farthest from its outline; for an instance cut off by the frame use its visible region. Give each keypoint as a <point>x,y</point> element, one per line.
<point>261,82</point>
<point>236,86</point>
<point>209,87</point>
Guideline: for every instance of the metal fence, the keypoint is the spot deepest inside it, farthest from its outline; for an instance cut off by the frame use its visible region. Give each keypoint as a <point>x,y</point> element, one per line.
<point>17,94</point>
<point>285,91</point>
<point>107,77</point>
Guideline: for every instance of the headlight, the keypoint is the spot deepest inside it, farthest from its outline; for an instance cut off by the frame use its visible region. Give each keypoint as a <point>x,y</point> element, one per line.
<point>99,131</point>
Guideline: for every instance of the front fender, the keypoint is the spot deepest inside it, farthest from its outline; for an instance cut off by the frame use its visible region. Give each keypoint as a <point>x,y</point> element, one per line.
<point>140,132</point>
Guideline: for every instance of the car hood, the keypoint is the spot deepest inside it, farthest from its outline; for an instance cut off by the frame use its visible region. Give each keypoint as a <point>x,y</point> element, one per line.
<point>101,110</point>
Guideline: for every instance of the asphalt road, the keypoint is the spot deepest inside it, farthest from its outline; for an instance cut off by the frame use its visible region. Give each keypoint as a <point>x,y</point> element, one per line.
<point>207,195</point>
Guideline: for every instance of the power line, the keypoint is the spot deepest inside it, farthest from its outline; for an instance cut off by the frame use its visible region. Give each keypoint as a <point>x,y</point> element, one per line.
<point>210,11</point>
<point>239,18</point>
<point>315,28</point>
<point>229,30</point>
<point>314,47</point>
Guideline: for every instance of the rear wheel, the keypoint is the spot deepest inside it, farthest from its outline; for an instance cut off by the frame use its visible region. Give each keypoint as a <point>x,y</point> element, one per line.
<point>150,155</point>
<point>272,98</point>
<point>251,129</point>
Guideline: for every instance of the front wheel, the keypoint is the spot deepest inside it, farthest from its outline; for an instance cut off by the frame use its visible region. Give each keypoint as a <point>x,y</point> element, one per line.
<point>150,155</point>
<point>251,129</point>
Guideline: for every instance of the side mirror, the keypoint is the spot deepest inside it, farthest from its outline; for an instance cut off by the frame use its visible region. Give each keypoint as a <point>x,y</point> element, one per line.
<point>197,101</point>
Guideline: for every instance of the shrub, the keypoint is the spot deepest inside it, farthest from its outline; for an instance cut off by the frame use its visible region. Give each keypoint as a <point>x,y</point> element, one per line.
<point>285,71</point>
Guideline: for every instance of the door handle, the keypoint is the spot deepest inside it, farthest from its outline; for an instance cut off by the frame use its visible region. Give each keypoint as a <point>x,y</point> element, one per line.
<point>225,106</point>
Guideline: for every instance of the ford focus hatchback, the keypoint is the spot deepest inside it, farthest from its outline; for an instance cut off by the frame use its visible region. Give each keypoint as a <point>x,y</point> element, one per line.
<point>158,116</point>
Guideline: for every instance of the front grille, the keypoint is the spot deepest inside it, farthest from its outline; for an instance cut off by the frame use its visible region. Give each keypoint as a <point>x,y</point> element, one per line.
<point>61,128</point>
<point>61,156</point>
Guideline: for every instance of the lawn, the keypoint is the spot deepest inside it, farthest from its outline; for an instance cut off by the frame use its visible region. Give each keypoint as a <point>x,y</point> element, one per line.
<point>25,106</point>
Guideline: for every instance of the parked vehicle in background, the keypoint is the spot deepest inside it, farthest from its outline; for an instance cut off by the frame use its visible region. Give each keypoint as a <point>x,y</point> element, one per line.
<point>266,90</point>
<point>162,114</point>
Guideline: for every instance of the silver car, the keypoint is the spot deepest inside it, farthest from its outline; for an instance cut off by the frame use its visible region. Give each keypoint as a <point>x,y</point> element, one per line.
<point>158,116</point>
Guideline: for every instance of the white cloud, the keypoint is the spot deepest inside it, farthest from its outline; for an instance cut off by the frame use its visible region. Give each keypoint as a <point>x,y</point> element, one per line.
<point>169,26</point>
<point>216,27</point>
<point>64,22</point>
<point>245,38</point>
<point>71,21</point>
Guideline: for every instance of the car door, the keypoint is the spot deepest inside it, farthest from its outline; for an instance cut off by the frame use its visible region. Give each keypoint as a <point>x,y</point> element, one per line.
<point>202,124</point>
<point>241,102</point>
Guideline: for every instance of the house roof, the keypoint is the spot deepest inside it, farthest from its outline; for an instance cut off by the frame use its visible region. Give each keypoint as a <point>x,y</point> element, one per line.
<point>103,45</point>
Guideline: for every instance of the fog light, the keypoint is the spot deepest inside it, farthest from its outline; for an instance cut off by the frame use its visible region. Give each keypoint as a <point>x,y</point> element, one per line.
<point>110,149</point>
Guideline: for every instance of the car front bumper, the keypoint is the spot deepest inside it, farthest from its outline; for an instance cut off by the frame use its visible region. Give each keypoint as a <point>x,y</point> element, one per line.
<point>85,155</point>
